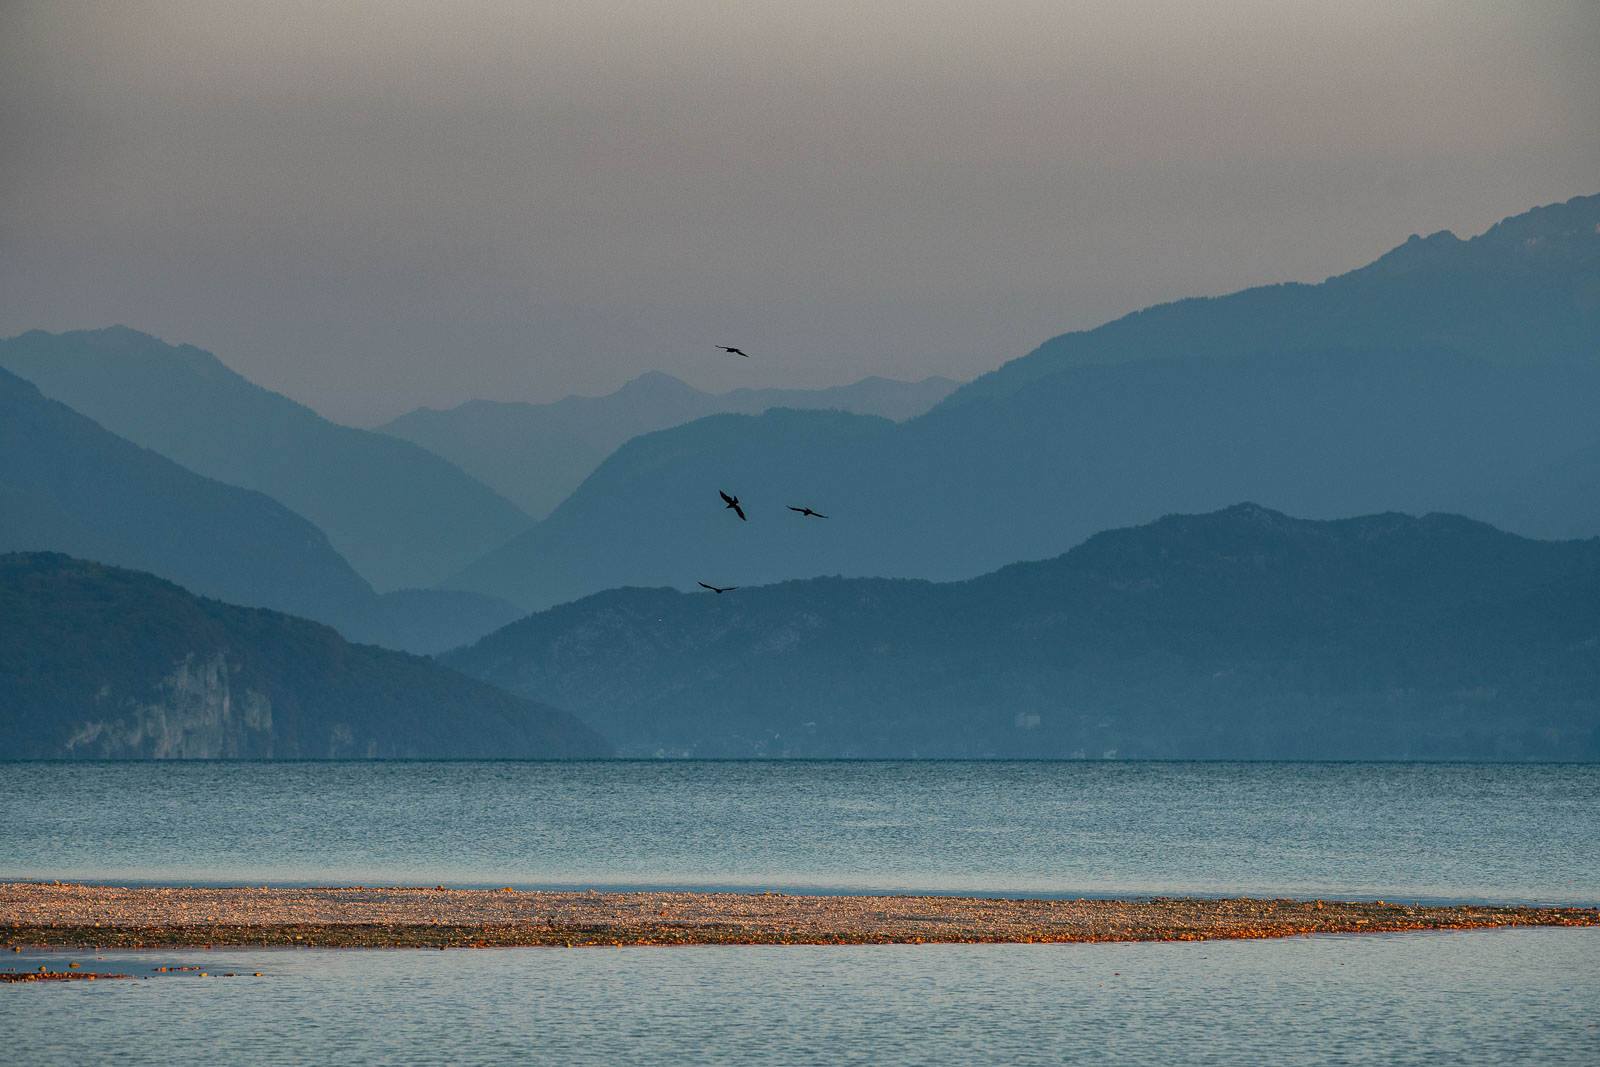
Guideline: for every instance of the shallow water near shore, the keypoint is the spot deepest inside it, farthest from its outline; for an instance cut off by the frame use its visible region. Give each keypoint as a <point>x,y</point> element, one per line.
<point>1469,997</point>
<point>1431,833</point>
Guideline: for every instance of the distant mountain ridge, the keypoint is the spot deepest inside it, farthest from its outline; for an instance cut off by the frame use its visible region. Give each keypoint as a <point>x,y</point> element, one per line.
<point>401,515</point>
<point>1243,634</point>
<point>966,489</point>
<point>1377,415</point>
<point>69,485</point>
<point>1526,291</point>
<point>537,454</point>
<point>99,662</point>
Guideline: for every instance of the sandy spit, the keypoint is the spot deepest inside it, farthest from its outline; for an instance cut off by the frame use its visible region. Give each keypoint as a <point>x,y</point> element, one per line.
<point>56,915</point>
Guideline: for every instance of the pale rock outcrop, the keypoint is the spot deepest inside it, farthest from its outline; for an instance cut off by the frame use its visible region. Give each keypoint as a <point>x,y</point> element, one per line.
<point>195,713</point>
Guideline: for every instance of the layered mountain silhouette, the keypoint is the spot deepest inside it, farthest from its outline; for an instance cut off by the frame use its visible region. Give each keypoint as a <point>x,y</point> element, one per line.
<point>69,485</point>
<point>103,662</point>
<point>402,516</point>
<point>967,489</point>
<point>1241,634</point>
<point>537,454</point>
<point>1331,420</point>
<point>1526,292</point>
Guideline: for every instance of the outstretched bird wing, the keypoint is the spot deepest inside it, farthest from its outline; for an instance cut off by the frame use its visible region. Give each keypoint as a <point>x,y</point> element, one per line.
<point>731,502</point>
<point>737,510</point>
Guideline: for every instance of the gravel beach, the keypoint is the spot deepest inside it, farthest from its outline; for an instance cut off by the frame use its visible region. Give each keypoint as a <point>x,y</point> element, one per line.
<point>56,915</point>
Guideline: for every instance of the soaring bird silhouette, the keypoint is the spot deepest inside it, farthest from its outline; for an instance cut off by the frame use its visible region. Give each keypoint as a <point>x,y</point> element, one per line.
<point>734,351</point>
<point>733,502</point>
<point>806,511</point>
<point>714,589</point>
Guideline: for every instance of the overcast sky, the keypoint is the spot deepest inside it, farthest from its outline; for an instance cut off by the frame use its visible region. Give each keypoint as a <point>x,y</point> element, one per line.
<point>372,206</point>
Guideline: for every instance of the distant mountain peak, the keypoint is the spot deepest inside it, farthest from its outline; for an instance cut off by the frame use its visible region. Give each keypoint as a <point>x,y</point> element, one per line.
<point>653,377</point>
<point>112,337</point>
<point>401,515</point>
<point>651,384</point>
<point>1253,512</point>
<point>1438,239</point>
<point>1524,292</point>
<point>1578,217</point>
<point>152,354</point>
<point>537,454</point>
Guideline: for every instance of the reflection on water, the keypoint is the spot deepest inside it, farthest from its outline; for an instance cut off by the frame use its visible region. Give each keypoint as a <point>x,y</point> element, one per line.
<point>1479,997</point>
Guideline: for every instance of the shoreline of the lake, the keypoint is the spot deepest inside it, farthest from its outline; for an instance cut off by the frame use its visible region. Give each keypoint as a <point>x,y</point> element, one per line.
<point>55,915</point>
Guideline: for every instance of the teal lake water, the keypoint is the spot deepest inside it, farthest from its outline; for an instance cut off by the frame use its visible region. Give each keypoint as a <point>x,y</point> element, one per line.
<point>1425,832</point>
<point>1478,997</point>
<point>1413,832</point>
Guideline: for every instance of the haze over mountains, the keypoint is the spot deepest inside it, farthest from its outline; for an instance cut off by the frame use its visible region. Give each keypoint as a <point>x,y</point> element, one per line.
<point>70,485</point>
<point>1239,634</point>
<point>401,515</point>
<point>537,454</point>
<point>1351,399</point>
<point>1448,377</point>
<point>1524,293</point>
<point>101,662</point>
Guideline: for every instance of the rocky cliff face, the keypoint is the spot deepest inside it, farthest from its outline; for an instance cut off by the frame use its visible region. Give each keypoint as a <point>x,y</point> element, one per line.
<point>98,662</point>
<point>194,713</point>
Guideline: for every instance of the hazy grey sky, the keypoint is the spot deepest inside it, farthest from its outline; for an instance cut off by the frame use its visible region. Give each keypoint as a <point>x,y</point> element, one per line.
<point>371,206</point>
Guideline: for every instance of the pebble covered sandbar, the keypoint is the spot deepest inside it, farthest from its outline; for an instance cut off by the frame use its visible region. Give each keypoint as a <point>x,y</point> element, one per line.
<point>56,915</point>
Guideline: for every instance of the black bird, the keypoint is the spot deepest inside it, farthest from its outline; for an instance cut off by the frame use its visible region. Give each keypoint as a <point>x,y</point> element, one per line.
<point>806,511</point>
<point>714,589</point>
<point>733,502</point>
<point>734,351</point>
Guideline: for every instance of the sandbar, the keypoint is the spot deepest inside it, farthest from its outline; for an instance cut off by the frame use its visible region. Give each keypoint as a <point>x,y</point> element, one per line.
<point>56,915</point>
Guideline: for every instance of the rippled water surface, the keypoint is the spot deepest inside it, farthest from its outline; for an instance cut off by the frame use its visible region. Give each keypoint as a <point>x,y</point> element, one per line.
<point>1478,997</point>
<point>1414,832</point>
<point>1410,832</point>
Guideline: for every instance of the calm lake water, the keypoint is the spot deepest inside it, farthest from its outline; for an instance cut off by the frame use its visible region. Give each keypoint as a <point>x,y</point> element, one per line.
<point>1412,832</point>
<point>1427,832</point>
<point>1480,997</point>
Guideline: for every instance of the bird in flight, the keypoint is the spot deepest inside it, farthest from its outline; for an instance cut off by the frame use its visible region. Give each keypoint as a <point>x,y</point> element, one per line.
<point>714,589</point>
<point>733,502</point>
<point>734,351</point>
<point>806,511</point>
